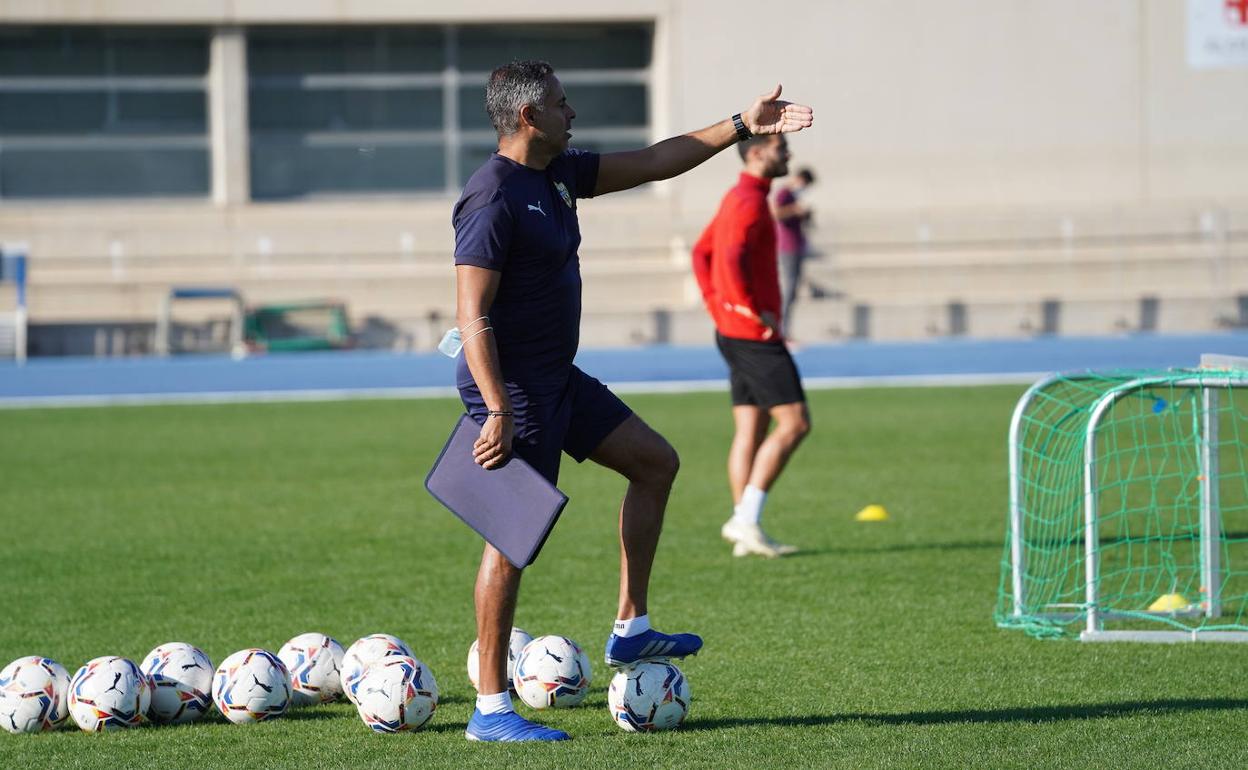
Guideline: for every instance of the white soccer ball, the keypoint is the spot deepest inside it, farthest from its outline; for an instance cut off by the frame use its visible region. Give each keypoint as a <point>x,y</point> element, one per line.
<point>365,651</point>
<point>653,695</point>
<point>315,664</point>
<point>519,638</point>
<point>181,677</point>
<point>397,693</point>
<point>34,695</point>
<point>552,672</point>
<point>109,693</point>
<point>251,685</point>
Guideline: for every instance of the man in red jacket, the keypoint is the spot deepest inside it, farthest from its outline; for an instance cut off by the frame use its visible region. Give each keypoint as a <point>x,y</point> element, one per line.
<point>735,264</point>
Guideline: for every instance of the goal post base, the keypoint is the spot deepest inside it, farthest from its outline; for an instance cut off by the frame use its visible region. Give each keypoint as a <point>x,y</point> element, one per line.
<point>1164,637</point>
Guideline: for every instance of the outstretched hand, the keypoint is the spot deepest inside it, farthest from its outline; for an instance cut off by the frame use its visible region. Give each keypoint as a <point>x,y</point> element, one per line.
<point>769,115</point>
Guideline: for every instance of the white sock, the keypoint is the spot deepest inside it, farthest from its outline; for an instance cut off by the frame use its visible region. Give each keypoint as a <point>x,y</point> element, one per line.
<point>498,703</point>
<point>750,509</point>
<point>632,626</point>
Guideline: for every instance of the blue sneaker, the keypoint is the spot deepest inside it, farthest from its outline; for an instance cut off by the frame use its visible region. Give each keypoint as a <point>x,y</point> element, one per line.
<point>651,645</point>
<point>509,726</point>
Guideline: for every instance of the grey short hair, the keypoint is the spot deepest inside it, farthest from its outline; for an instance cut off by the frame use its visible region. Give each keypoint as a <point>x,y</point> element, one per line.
<point>514,86</point>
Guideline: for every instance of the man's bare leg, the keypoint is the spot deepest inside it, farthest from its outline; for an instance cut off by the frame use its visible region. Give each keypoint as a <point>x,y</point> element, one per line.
<point>498,586</point>
<point>744,530</point>
<point>639,454</point>
<point>650,464</point>
<point>751,428</point>
<point>792,425</point>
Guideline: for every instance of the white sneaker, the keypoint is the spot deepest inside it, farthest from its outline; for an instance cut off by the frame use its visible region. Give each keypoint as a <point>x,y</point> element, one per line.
<point>748,538</point>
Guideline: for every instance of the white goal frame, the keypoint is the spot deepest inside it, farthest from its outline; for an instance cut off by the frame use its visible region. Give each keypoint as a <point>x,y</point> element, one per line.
<point>1209,381</point>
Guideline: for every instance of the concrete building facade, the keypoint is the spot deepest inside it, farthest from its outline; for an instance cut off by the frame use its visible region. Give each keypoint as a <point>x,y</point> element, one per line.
<point>986,167</point>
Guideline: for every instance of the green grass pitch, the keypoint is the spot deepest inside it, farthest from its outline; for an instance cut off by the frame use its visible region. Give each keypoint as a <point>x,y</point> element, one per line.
<point>242,525</point>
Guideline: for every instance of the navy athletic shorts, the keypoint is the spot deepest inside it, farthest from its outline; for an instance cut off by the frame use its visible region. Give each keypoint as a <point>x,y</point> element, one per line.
<point>574,417</point>
<point>761,373</point>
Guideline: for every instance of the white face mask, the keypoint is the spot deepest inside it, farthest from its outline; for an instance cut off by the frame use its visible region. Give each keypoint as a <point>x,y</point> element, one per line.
<point>451,343</point>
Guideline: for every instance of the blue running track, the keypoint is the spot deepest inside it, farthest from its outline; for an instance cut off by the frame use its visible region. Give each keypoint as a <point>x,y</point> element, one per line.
<point>369,374</point>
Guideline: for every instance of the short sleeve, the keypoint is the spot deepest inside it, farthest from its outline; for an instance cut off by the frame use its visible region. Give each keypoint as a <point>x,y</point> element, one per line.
<point>785,197</point>
<point>584,171</point>
<point>483,236</point>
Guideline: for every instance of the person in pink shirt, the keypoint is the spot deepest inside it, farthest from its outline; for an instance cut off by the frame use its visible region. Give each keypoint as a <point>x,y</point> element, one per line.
<point>792,217</point>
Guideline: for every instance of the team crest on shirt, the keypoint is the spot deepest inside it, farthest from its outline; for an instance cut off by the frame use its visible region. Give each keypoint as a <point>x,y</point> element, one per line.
<point>563,193</point>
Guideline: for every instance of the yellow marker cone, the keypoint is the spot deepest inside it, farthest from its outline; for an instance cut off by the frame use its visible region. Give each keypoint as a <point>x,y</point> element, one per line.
<point>1169,603</point>
<point>872,513</point>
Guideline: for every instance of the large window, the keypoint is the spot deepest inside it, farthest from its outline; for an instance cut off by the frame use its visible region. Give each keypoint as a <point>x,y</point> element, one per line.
<point>123,111</point>
<point>90,112</point>
<point>401,109</point>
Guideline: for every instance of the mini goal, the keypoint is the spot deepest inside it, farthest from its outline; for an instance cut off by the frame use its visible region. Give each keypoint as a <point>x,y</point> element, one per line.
<point>1128,506</point>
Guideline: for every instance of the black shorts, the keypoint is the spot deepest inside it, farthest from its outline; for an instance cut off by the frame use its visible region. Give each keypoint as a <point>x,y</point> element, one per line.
<point>762,373</point>
<point>574,416</point>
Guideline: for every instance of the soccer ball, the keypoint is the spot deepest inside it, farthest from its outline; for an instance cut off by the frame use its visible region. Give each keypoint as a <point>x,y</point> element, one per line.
<point>397,693</point>
<point>363,652</point>
<point>552,671</point>
<point>109,693</point>
<point>519,638</point>
<point>251,685</point>
<point>34,695</point>
<point>315,664</point>
<point>181,677</point>
<point>653,695</point>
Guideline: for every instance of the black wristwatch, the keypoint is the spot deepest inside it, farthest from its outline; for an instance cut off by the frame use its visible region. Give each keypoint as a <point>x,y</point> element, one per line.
<point>743,133</point>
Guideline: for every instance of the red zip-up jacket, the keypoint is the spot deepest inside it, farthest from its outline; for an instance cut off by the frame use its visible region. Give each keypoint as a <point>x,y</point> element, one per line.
<point>735,262</point>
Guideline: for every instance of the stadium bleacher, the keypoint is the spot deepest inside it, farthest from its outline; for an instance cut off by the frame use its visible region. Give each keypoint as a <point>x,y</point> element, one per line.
<point>878,277</point>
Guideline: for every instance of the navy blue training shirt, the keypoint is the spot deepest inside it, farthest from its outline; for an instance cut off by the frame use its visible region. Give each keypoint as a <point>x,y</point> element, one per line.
<point>522,222</point>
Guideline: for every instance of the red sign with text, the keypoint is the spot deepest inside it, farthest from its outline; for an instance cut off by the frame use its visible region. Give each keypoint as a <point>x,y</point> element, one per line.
<point>1236,12</point>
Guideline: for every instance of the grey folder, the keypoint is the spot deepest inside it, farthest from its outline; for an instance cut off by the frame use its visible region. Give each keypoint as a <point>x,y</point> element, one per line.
<point>513,507</point>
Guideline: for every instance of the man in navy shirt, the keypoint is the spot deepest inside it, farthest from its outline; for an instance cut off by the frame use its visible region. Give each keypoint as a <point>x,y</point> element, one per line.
<point>518,287</point>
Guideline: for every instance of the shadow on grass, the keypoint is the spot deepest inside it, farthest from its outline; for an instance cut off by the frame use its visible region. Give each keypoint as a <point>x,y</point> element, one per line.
<point>1036,714</point>
<point>879,549</point>
<point>300,714</point>
<point>969,545</point>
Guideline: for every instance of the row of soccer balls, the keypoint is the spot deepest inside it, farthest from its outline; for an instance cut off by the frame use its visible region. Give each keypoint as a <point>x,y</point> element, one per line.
<point>177,684</point>
<point>390,687</point>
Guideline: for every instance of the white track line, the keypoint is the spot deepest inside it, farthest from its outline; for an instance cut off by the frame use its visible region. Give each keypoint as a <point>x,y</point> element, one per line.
<point>344,394</point>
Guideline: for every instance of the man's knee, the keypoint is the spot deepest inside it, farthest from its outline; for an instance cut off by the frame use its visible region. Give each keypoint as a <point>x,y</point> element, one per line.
<point>640,454</point>
<point>659,462</point>
<point>795,423</point>
<point>669,462</point>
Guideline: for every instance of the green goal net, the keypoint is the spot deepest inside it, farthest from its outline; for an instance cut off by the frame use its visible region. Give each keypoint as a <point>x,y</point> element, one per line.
<point>1128,516</point>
